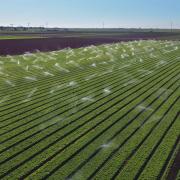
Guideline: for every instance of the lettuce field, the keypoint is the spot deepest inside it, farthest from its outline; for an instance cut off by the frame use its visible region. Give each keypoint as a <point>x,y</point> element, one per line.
<point>98,112</point>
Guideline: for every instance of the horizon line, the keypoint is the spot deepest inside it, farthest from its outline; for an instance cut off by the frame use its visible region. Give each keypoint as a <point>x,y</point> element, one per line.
<point>57,27</point>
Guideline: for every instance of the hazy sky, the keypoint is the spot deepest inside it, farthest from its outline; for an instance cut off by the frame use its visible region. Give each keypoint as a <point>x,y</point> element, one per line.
<point>91,13</point>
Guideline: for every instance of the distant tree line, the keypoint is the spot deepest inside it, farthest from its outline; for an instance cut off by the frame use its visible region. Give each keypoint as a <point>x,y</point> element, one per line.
<point>30,29</point>
<point>80,30</point>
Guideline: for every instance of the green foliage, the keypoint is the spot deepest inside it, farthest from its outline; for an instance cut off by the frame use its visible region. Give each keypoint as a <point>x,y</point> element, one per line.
<point>98,112</point>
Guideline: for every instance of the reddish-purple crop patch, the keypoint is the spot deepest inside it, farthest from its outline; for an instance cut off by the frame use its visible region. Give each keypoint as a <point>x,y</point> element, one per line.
<point>20,46</point>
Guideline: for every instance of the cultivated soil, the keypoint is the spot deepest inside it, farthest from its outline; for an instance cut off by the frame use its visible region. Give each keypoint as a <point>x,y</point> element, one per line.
<point>21,46</point>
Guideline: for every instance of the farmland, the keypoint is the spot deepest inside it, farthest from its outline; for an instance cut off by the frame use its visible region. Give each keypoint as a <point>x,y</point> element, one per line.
<point>98,112</point>
<point>16,43</point>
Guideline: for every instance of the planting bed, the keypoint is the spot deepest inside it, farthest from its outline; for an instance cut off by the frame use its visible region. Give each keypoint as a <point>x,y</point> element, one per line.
<point>97,112</point>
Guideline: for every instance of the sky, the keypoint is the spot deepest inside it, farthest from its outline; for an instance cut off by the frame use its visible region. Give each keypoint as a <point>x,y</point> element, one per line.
<point>91,13</point>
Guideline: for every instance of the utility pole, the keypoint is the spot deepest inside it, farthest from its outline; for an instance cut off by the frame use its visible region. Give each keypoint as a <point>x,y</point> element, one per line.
<point>12,26</point>
<point>171,26</point>
<point>28,25</point>
<point>47,25</point>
